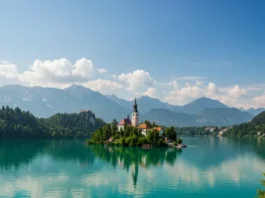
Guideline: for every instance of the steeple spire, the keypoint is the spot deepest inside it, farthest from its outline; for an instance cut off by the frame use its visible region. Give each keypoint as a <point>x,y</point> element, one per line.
<point>135,106</point>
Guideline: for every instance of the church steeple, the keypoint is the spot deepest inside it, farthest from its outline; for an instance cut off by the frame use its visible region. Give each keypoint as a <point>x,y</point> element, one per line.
<point>135,116</point>
<point>135,106</point>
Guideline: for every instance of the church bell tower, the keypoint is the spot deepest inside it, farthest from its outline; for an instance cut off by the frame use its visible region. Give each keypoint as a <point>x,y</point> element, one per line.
<point>135,115</point>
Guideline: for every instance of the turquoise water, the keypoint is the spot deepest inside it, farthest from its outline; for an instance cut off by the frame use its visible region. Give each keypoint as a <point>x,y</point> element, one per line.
<point>209,167</point>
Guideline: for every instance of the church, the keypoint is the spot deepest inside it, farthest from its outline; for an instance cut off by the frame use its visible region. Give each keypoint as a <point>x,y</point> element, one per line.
<point>127,121</point>
<point>144,128</point>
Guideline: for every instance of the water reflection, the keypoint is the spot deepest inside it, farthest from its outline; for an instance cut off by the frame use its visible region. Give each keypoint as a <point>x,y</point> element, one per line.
<point>132,157</point>
<point>46,168</point>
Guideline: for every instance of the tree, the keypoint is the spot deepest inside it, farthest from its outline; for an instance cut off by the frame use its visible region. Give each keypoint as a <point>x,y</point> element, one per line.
<point>171,133</point>
<point>114,124</point>
<point>20,124</point>
<point>261,193</point>
<point>148,123</point>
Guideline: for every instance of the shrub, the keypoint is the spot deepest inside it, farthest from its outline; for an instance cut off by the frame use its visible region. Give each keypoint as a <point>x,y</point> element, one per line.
<point>161,143</point>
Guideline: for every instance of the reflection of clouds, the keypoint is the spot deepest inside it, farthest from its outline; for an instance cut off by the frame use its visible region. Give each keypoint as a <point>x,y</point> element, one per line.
<point>234,171</point>
<point>36,186</point>
<point>103,180</point>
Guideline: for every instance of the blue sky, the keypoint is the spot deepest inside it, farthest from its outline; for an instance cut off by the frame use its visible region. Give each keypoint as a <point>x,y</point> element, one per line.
<point>188,42</point>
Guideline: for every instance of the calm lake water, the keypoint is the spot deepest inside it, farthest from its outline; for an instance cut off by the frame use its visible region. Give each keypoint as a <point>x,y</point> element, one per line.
<point>209,167</point>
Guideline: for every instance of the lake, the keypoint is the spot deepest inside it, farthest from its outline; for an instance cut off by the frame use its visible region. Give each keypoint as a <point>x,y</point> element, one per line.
<point>209,167</point>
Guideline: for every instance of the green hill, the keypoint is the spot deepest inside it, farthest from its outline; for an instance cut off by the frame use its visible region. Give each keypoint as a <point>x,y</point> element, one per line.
<point>15,123</point>
<point>252,128</point>
<point>259,119</point>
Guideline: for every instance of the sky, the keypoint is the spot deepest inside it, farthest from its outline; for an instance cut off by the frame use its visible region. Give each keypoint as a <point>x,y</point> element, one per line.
<point>173,50</point>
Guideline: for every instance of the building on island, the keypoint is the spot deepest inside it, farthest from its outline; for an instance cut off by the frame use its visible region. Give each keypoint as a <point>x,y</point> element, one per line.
<point>144,128</point>
<point>127,121</point>
<point>159,130</point>
<point>123,122</point>
<point>135,115</point>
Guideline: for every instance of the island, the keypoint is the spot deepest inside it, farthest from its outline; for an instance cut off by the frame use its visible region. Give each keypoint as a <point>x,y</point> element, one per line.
<point>133,133</point>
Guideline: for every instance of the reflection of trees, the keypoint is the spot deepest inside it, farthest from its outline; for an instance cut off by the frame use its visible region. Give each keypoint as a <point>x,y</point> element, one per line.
<point>14,153</point>
<point>133,157</point>
<point>70,150</point>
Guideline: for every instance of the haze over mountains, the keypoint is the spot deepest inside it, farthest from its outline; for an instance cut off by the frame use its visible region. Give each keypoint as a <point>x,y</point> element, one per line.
<point>44,102</point>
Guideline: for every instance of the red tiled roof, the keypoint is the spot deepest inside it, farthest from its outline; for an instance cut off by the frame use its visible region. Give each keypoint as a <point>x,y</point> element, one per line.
<point>125,121</point>
<point>143,126</point>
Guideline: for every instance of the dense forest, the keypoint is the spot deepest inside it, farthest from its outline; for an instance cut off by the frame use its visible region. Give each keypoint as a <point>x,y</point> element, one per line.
<point>254,128</point>
<point>15,123</point>
<point>192,131</point>
<point>131,136</point>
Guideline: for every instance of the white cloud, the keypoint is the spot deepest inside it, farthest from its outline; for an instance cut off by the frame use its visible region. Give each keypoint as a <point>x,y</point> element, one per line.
<point>212,90</point>
<point>136,80</point>
<point>102,70</point>
<point>8,70</point>
<point>62,73</point>
<point>57,72</point>
<point>103,86</point>
<point>231,96</point>
<point>180,95</point>
<point>236,92</point>
<point>259,101</point>
<point>150,92</point>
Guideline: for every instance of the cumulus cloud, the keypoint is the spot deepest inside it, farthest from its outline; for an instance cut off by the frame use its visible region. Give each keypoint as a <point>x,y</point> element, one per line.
<point>236,92</point>
<point>150,92</point>
<point>212,90</point>
<point>189,91</point>
<point>180,95</point>
<point>103,86</point>
<point>60,71</point>
<point>8,70</point>
<point>259,101</point>
<point>136,80</point>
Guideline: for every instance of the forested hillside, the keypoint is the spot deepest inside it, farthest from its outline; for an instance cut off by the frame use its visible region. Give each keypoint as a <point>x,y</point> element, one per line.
<point>259,119</point>
<point>255,127</point>
<point>15,123</point>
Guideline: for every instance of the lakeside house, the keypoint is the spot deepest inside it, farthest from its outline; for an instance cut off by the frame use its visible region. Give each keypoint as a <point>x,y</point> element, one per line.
<point>223,131</point>
<point>210,129</point>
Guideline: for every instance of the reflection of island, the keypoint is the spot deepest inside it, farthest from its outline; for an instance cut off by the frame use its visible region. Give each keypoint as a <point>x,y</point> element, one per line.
<point>43,167</point>
<point>130,158</point>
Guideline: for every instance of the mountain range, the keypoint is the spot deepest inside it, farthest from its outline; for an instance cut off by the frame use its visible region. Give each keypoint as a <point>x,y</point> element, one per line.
<point>44,102</point>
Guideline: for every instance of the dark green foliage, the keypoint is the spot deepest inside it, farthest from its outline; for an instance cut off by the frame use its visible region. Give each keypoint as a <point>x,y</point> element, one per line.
<point>15,123</point>
<point>171,133</point>
<point>248,129</point>
<point>130,136</point>
<point>259,119</point>
<point>244,130</point>
<point>179,141</point>
<point>261,193</point>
